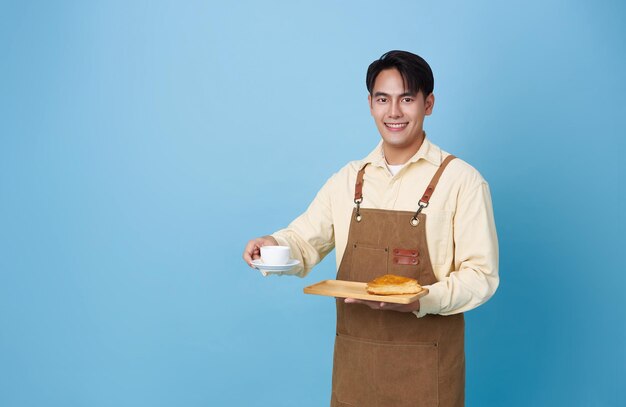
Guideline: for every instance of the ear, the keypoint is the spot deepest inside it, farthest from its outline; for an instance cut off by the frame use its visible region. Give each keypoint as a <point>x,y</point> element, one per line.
<point>429,103</point>
<point>369,101</point>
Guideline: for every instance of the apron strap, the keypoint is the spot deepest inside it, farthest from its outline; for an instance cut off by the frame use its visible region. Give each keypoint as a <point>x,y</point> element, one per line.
<point>423,203</point>
<point>433,182</point>
<point>358,188</point>
<point>358,192</point>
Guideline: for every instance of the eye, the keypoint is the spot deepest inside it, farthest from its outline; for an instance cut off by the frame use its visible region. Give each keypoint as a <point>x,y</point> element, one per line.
<point>407,100</point>
<point>381,100</point>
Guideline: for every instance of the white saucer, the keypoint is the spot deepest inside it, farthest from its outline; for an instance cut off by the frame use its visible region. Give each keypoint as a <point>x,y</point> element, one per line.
<point>269,268</point>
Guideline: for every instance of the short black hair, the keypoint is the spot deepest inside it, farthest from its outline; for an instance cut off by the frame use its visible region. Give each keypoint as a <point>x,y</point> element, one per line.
<point>415,71</point>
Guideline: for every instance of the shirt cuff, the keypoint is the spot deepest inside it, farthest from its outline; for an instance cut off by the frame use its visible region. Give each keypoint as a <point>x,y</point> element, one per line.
<point>298,270</point>
<point>281,241</point>
<point>431,302</point>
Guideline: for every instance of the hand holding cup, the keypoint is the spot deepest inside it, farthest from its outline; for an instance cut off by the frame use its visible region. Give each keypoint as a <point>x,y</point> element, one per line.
<point>253,248</point>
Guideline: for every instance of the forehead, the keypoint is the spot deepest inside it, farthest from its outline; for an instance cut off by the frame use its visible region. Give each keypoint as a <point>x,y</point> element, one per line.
<point>390,81</point>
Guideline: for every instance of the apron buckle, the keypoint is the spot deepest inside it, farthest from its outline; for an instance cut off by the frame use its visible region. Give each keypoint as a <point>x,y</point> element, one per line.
<point>358,201</point>
<point>414,220</point>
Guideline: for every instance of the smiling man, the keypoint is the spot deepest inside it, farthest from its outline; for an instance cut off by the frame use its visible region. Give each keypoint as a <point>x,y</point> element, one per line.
<point>410,209</point>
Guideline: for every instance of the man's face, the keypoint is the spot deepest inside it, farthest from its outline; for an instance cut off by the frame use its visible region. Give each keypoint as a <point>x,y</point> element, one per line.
<point>398,113</point>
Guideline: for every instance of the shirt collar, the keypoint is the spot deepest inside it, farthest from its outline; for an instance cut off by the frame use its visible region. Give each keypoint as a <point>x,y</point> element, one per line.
<point>427,151</point>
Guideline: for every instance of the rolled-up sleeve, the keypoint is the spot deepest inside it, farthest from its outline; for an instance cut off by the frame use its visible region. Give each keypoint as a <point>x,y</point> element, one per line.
<point>475,276</point>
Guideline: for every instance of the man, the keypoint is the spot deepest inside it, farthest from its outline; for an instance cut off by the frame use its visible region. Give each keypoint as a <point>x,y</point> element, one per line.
<point>410,209</point>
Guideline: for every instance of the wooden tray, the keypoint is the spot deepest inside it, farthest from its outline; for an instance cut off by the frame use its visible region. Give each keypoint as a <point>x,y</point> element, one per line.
<point>354,289</point>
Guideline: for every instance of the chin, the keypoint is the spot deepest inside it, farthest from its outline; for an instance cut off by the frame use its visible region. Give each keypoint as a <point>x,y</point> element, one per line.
<point>396,141</point>
<point>400,140</point>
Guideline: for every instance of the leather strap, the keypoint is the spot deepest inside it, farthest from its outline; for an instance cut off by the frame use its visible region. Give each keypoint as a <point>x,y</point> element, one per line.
<point>406,252</point>
<point>433,182</point>
<point>407,261</point>
<point>358,188</point>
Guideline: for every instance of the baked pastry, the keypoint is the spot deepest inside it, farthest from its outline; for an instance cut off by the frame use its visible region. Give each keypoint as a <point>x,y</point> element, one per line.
<point>391,284</point>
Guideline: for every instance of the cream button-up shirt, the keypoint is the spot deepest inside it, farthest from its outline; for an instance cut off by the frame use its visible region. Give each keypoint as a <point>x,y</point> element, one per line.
<point>460,230</point>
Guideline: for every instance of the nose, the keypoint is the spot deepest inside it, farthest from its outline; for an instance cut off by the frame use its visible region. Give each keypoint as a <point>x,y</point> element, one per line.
<point>394,110</point>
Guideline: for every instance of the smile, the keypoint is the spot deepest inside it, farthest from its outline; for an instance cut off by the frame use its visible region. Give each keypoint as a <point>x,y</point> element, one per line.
<point>396,125</point>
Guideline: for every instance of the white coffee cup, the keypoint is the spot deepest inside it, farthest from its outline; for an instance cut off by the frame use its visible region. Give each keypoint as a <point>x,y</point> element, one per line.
<point>275,255</point>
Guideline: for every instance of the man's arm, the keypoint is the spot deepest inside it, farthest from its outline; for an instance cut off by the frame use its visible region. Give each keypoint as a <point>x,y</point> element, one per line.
<point>310,236</point>
<point>475,276</point>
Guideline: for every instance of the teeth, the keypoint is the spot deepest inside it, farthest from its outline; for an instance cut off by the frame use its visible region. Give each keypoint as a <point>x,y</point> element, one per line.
<point>395,125</point>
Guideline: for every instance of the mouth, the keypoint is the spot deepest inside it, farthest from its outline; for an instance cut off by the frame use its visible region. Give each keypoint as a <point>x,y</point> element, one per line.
<point>396,126</point>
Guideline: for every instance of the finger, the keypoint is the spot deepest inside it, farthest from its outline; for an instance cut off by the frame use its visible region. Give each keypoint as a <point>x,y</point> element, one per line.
<point>355,301</point>
<point>388,306</point>
<point>247,251</point>
<point>376,305</point>
<point>256,253</point>
<point>370,304</point>
<point>248,259</point>
<point>251,252</point>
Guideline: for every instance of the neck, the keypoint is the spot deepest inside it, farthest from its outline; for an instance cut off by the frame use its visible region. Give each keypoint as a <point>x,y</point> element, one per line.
<point>398,155</point>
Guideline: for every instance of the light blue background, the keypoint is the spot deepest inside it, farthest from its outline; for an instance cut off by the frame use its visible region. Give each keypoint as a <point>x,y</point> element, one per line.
<point>143,143</point>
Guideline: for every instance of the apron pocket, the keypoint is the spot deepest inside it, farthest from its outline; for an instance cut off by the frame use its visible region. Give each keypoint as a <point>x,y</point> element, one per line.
<point>379,373</point>
<point>368,262</point>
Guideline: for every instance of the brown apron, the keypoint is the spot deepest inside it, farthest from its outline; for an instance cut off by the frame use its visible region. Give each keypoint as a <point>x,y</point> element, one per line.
<point>389,358</point>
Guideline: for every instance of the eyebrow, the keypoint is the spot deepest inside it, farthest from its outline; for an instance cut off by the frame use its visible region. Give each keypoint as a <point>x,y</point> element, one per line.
<point>388,95</point>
